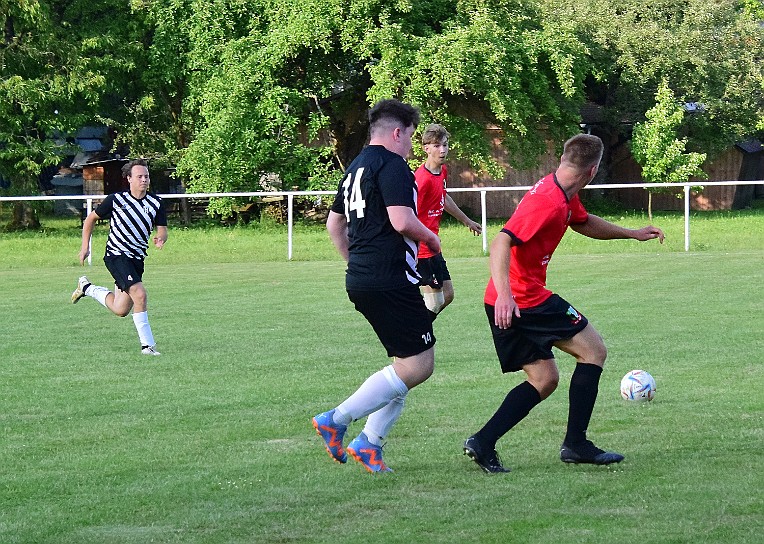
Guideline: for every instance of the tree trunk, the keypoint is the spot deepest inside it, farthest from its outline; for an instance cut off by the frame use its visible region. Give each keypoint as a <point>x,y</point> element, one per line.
<point>650,207</point>
<point>24,217</point>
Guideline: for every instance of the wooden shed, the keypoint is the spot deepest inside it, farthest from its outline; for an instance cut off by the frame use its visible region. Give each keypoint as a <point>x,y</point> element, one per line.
<point>744,161</point>
<point>103,177</point>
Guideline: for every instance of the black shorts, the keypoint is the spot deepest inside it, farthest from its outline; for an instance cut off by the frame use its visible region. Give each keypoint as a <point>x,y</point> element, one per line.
<point>124,270</point>
<point>531,336</point>
<point>399,317</point>
<point>433,271</point>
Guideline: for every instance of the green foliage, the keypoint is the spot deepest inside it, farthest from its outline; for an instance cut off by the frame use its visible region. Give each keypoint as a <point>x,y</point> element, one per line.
<point>256,115</point>
<point>236,91</point>
<point>278,98</point>
<point>711,53</point>
<point>657,149</point>
<point>488,65</point>
<point>62,65</point>
<point>753,8</point>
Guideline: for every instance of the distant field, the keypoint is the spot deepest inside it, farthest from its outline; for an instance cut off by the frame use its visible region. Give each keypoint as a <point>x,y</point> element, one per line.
<point>212,442</point>
<point>59,242</point>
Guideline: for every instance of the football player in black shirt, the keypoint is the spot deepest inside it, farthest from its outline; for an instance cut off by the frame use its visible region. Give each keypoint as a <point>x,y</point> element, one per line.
<point>374,226</point>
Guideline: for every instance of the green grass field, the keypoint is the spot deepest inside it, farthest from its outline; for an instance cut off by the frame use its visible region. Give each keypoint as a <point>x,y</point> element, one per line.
<point>212,441</point>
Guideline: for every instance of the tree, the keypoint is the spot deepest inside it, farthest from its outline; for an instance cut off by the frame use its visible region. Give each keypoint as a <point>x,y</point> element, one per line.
<point>61,64</point>
<point>288,95</point>
<point>657,149</point>
<point>711,53</point>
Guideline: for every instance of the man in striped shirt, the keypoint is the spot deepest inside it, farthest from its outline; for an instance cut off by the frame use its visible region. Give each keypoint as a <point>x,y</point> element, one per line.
<point>133,215</point>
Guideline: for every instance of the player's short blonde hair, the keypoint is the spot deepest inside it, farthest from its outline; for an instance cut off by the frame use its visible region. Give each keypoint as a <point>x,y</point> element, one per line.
<point>583,151</point>
<point>434,134</point>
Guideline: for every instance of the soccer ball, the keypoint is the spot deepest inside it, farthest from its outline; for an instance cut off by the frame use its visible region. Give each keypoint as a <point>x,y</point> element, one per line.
<point>638,386</point>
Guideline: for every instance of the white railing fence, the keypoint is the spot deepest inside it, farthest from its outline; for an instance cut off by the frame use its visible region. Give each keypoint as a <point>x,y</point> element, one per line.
<point>686,188</point>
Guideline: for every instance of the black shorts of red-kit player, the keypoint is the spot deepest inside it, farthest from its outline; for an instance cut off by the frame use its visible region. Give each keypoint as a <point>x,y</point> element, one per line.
<point>531,336</point>
<point>433,271</point>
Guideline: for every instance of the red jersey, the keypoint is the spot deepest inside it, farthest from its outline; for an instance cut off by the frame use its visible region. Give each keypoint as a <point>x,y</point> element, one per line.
<point>537,226</point>
<point>431,198</point>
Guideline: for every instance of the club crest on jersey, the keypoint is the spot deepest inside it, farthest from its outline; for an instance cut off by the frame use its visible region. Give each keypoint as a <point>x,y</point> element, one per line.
<point>575,317</point>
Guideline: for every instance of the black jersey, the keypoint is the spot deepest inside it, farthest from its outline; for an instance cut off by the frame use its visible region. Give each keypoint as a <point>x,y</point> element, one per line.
<point>380,257</point>
<point>131,221</point>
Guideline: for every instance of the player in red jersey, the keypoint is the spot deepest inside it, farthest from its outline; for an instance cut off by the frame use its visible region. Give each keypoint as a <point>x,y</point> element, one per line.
<point>527,319</point>
<point>432,200</point>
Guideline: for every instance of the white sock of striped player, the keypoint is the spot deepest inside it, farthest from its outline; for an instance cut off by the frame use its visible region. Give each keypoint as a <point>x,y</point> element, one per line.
<point>377,391</point>
<point>379,423</point>
<point>141,320</point>
<point>97,292</point>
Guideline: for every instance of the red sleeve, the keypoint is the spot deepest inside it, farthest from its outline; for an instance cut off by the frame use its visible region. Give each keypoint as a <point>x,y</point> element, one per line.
<point>578,213</point>
<point>531,214</point>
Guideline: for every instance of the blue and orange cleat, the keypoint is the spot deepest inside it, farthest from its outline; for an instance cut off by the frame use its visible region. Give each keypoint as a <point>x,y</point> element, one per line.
<point>366,453</point>
<point>333,434</point>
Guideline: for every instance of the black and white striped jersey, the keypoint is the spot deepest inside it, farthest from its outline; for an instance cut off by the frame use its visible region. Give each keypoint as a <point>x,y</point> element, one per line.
<point>380,258</point>
<point>131,221</point>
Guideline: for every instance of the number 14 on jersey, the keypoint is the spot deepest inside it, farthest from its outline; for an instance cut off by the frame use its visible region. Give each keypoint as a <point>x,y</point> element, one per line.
<point>353,197</point>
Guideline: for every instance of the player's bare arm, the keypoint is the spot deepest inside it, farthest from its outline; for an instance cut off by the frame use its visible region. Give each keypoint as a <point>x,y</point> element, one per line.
<point>87,231</point>
<point>161,237</point>
<point>600,229</point>
<point>405,221</point>
<point>337,226</point>
<point>451,207</point>
<point>505,307</point>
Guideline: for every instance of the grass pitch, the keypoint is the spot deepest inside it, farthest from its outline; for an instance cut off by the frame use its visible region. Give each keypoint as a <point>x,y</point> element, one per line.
<point>212,441</point>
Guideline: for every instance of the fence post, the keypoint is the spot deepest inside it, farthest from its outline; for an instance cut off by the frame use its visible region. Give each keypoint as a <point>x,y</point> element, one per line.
<point>89,209</point>
<point>687,218</point>
<point>484,220</point>
<point>290,202</point>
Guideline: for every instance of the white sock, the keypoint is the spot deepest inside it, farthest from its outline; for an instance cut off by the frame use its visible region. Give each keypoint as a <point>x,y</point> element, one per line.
<point>379,423</point>
<point>378,390</point>
<point>97,292</point>
<point>141,321</point>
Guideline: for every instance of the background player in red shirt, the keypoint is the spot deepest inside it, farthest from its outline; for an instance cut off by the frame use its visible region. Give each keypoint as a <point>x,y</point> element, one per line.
<point>432,199</point>
<point>527,319</point>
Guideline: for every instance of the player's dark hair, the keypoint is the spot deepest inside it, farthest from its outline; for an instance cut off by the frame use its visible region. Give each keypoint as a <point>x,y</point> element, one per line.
<point>393,111</point>
<point>583,150</point>
<point>434,134</point>
<point>127,168</point>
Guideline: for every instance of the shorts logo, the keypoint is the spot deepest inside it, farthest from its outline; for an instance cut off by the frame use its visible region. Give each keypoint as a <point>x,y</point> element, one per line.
<point>130,277</point>
<point>575,317</point>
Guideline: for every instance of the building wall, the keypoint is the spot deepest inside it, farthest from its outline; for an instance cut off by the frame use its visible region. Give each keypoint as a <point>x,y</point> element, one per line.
<point>622,168</point>
<point>500,203</point>
<point>726,167</point>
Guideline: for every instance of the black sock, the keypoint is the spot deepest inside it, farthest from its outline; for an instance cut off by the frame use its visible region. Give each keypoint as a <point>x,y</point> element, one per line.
<point>433,315</point>
<point>517,404</point>
<point>582,395</point>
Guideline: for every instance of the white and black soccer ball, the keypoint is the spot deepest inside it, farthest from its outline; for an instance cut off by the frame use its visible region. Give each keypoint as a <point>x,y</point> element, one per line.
<point>638,386</point>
